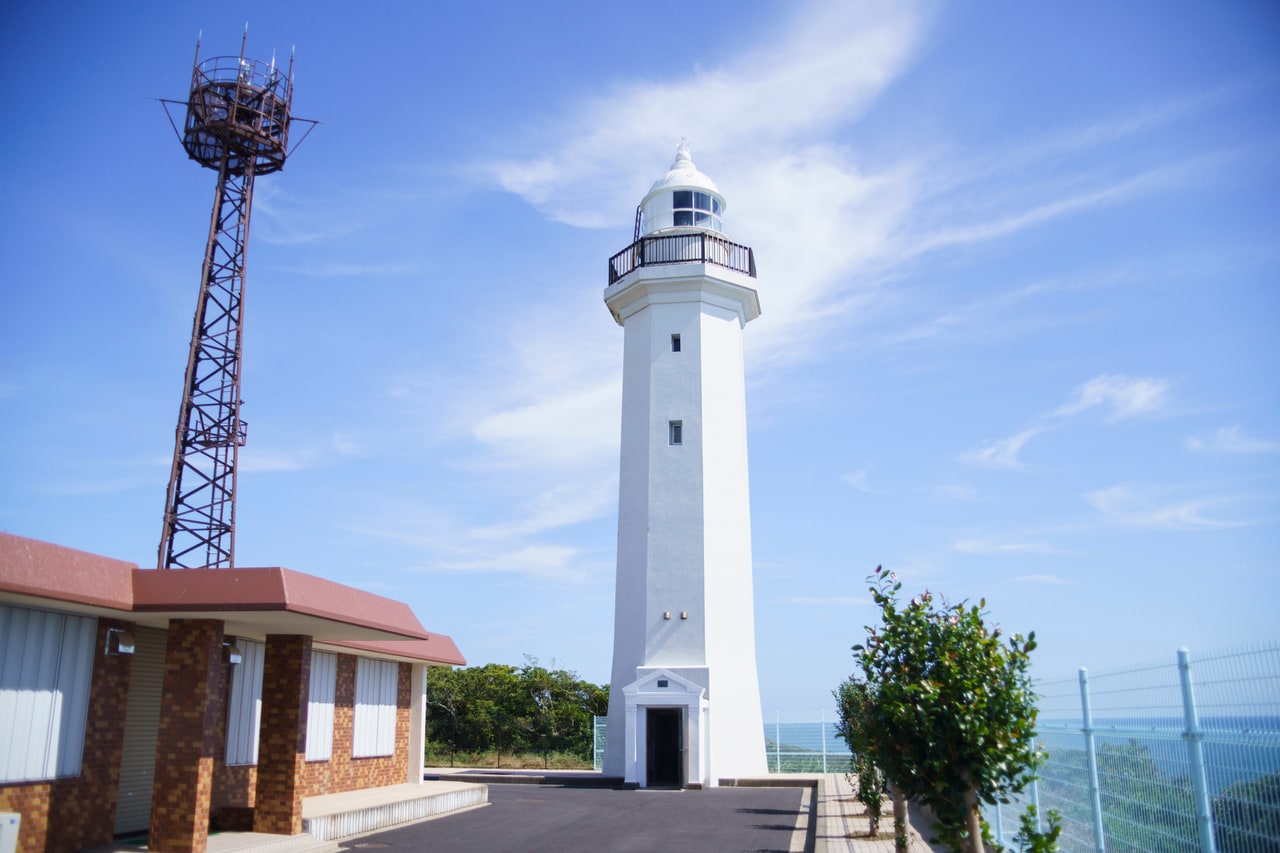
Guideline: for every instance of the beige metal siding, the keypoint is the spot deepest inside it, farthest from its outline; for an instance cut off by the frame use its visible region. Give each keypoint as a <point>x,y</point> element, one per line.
<point>137,766</point>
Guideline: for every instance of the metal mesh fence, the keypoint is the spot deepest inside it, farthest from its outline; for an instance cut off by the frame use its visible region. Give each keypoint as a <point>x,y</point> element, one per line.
<point>806,746</point>
<point>1179,756</point>
<point>598,727</point>
<point>1182,756</point>
<point>803,746</point>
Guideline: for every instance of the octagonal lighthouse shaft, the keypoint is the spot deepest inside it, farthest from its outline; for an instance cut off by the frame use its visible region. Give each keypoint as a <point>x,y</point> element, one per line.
<point>684,700</point>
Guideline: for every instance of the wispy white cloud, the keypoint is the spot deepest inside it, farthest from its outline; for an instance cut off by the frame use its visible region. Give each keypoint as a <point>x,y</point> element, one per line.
<point>259,459</point>
<point>835,600</point>
<point>1060,144</point>
<point>1042,580</point>
<point>1134,508</point>
<point>336,269</point>
<point>444,544</point>
<point>262,460</point>
<point>824,66</point>
<point>569,426</point>
<point>1006,313</point>
<point>282,219</point>
<point>538,422</point>
<point>954,491</point>
<point>1002,453</point>
<point>858,479</point>
<point>1230,440</point>
<point>101,485</point>
<point>1008,224</point>
<point>1126,396</point>
<point>346,444</point>
<point>112,477</point>
<point>824,222</point>
<point>559,506</point>
<point>760,125</point>
<point>996,546</point>
<point>549,562</point>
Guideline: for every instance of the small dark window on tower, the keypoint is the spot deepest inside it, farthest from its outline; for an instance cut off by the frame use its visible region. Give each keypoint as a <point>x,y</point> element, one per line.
<point>675,343</point>
<point>676,431</point>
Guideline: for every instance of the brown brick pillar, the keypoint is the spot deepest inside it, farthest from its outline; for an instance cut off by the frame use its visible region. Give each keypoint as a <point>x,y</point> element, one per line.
<point>187,740</point>
<point>282,737</point>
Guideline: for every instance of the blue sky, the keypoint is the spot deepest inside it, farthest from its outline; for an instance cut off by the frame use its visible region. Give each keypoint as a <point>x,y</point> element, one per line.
<point>1018,268</point>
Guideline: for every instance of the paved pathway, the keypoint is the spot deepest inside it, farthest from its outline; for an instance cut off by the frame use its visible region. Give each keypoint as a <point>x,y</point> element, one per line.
<point>524,818</point>
<point>843,825</point>
<point>537,818</point>
<point>824,817</point>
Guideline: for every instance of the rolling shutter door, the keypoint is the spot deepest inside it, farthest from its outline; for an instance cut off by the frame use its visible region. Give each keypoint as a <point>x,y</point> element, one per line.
<point>138,763</point>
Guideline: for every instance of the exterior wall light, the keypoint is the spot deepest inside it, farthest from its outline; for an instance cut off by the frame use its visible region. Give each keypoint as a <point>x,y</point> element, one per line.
<point>234,655</point>
<point>119,642</point>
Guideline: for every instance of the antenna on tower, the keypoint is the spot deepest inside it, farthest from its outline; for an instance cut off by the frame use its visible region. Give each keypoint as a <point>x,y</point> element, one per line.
<point>237,123</point>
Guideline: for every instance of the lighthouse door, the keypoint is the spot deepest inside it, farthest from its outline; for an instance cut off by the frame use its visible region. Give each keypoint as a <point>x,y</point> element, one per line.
<point>664,750</point>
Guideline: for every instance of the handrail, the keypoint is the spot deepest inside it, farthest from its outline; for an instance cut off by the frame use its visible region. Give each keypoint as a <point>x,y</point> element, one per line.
<point>696,247</point>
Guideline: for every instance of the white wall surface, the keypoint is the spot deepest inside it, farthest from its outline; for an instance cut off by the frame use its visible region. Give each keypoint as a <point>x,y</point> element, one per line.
<point>684,541</point>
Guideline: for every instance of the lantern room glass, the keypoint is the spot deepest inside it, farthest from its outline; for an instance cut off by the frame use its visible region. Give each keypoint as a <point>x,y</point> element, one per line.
<point>696,209</point>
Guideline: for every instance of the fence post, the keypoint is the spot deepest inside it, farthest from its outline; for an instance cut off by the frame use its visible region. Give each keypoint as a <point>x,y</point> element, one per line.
<point>1195,746</point>
<point>777,741</point>
<point>1095,793</point>
<point>1035,801</point>
<point>822,733</point>
<point>999,825</point>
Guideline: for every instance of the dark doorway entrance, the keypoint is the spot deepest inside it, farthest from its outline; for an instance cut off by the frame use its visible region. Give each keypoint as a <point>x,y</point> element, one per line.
<point>664,750</point>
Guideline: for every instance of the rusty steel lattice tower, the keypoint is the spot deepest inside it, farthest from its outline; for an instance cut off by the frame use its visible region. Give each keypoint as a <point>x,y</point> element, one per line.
<point>237,122</point>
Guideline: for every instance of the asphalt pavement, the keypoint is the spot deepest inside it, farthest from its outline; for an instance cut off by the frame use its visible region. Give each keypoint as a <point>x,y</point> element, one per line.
<point>533,818</point>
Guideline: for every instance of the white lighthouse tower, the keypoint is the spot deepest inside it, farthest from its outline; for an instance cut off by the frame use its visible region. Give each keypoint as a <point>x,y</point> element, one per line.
<point>684,701</point>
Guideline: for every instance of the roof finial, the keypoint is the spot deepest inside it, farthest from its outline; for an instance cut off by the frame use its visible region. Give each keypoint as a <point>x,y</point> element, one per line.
<point>682,155</point>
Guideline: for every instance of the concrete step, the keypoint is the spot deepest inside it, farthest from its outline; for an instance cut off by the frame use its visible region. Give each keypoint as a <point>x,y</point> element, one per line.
<point>345,815</point>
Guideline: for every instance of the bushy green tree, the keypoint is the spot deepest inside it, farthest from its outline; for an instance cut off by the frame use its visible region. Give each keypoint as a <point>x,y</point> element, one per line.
<point>951,711</point>
<point>501,708</point>
<point>1246,816</point>
<point>561,707</point>
<point>852,700</point>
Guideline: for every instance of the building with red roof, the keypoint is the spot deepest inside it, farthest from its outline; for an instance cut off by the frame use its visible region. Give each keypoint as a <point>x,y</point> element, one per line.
<point>167,701</point>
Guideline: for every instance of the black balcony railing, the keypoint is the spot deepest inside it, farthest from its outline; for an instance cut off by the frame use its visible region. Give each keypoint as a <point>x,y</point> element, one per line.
<point>682,249</point>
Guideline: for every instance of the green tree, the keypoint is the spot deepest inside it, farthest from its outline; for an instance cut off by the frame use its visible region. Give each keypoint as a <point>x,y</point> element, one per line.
<point>1143,807</point>
<point>445,702</point>
<point>853,699</point>
<point>560,709</point>
<point>500,708</point>
<point>1031,838</point>
<point>1246,816</point>
<point>951,711</point>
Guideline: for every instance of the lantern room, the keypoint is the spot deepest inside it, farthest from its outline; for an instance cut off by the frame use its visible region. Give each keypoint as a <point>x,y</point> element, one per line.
<point>683,198</point>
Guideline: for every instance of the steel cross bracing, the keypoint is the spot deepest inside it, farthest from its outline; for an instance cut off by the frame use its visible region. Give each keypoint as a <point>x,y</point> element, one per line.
<point>237,122</point>
<point>199,523</point>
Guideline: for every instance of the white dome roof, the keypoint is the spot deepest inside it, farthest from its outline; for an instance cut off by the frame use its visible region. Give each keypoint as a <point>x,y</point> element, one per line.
<point>684,174</point>
<point>683,198</point>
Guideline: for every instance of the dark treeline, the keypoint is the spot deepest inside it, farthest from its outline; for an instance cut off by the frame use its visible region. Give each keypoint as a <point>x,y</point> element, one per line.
<point>507,709</point>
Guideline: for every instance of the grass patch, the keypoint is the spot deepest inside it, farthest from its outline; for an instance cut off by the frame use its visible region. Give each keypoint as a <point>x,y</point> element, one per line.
<point>436,756</point>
